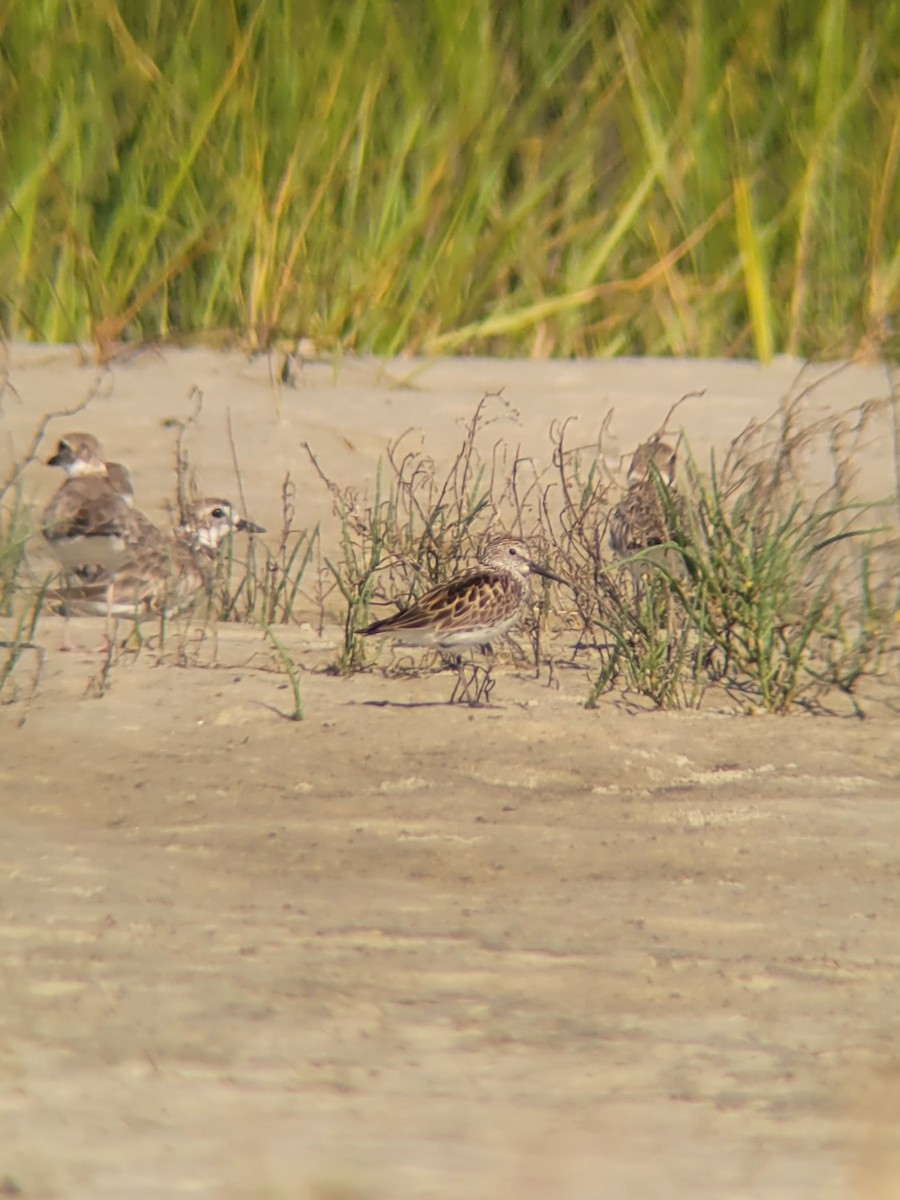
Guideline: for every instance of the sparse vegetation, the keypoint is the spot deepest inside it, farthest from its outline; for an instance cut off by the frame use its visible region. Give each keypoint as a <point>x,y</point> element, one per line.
<point>776,586</point>
<point>16,525</point>
<point>773,587</point>
<point>291,671</point>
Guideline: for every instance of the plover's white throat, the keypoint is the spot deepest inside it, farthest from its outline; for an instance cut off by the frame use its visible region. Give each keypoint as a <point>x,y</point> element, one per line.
<point>81,454</point>
<point>473,609</point>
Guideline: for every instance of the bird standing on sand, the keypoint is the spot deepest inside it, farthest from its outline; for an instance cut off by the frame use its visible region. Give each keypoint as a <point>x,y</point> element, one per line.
<point>472,609</point>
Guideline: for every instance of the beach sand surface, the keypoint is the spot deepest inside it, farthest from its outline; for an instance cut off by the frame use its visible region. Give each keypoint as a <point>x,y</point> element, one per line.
<point>404,950</point>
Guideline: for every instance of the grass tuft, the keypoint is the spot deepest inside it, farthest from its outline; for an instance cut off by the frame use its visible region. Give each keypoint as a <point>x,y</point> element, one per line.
<point>778,591</point>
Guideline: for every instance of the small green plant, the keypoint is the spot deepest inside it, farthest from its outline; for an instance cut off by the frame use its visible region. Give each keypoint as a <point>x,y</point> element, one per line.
<point>286,568</point>
<point>856,635</point>
<point>16,528</point>
<point>365,532</point>
<point>647,647</point>
<point>25,622</point>
<point>290,670</point>
<point>266,589</point>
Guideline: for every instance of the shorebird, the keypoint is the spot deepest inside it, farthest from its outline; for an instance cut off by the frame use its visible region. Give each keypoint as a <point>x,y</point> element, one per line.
<point>91,520</point>
<point>164,574</point>
<point>473,609</point>
<point>91,523</point>
<point>640,521</point>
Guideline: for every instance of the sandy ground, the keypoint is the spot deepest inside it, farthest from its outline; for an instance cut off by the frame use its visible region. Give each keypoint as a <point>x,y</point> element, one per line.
<point>404,950</point>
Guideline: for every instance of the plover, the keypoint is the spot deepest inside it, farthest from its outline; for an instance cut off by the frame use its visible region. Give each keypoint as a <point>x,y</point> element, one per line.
<point>162,575</point>
<point>473,609</point>
<point>640,521</point>
<point>91,520</point>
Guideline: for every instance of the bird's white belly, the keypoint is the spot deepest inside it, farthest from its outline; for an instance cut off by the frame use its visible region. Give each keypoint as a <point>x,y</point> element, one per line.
<point>456,639</point>
<point>105,551</point>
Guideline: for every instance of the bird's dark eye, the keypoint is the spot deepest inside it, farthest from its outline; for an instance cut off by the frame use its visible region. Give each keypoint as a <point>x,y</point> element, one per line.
<point>218,513</point>
<point>513,551</point>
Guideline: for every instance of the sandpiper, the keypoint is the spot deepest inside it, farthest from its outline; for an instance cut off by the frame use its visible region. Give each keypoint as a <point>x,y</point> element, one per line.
<point>640,520</point>
<point>472,609</point>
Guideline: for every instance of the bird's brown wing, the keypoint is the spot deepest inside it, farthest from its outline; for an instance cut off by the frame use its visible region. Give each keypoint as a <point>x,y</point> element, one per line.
<point>639,520</point>
<point>470,599</point>
<point>86,507</point>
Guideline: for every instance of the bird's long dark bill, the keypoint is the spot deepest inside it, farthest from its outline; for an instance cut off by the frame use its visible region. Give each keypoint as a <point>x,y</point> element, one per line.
<point>242,525</point>
<point>546,572</point>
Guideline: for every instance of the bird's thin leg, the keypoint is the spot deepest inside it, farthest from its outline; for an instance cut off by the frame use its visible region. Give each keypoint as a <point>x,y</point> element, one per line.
<point>461,687</point>
<point>110,599</point>
<point>66,643</point>
<point>67,646</point>
<point>474,684</point>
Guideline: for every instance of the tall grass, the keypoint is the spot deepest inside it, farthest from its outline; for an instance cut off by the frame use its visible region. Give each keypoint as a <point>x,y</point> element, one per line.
<point>582,178</point>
